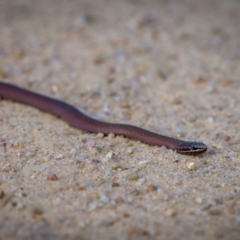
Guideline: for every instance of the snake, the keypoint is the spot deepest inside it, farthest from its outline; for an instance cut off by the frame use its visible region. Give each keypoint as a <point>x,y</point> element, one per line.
<point>79,120</point>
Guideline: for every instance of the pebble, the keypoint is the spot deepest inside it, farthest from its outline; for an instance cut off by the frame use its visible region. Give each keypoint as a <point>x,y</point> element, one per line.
<point>166,198</point>
<point>59,156</point>
<point>117,168</point>
<point>3,73</point>
<point>52,177</point>
<point>2,194</point>
<point>90,143</point>
<point>111,136</point>
<point>199,80</point>
<point>191,166</point>
<point>141,181</point>
<point>34,161</point>
<point>108,157</point>
<point>104,198</point>
<point>73,151</point>
<point>100,135</point>
<point>119,200</point>
<point>100,181</point>
<point>55,88</point>
<point>133,177</point>
<point>199,200</point>
<point>129,150</point>
<point>170,212</point>
<point>125,105</point>
<point>143,162</point>
<point>37,211</point>
<point>61,218</point>
<point>115,184</point>
<point>136,192</point>
<point>210,120</point>
<point>232,154</point>
<point>80,188</point>
<point>152,188</point>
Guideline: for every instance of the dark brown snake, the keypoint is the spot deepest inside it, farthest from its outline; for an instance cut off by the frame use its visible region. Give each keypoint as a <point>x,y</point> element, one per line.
<point>77,119</point>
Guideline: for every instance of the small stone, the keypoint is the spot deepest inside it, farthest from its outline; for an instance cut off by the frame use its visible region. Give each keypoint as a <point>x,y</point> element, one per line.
<point>166,198</point>
<point>60,156</point>
<point>52,177</point>
<point>119,200</point>
<point>227,138</point>
<point>177,101</point>
<point>143,162</point>
<point>112,94</point>
<point>108,157</point>
<point>199,80</point>
<point>214,212</point>
<point>90,143</point>
<point>117,168</point>
<point>111,136</point>
<point>104,160</point>
<point>170,212</point>
<point>152,188</point>
<point>100,181</point>
<point>191,166</point>
<point>19,53</point>
<point>136,192</point>
<point>161,74</point>
<point>37,211</point>
<point>199,200</point>
<point>55,88</point>
<point>127,113</point>
<point>129,150</point>
<point>210,120</point>
<point>73,151</point>
<point>125,105</point>
<point>142,68</point>
<point>232,154</point>
<point>100,135</point>
<point>80,188</point>
<point>104,198</point>
<point>227,83</point>
<point>192,118</point>
<point>2,194</point>
<point>96,161</point>
<point>99,60</point>
<point>115,184</point>
<point>141,181</point>
<point>131,231</point>
<point>3,73</point>
<point>108,223</point>
<point>133,177</point>
<point>147,19</point>
<point>61,218</point>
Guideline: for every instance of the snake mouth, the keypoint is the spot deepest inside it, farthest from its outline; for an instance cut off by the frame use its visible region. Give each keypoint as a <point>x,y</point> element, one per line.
<point>191,148</point>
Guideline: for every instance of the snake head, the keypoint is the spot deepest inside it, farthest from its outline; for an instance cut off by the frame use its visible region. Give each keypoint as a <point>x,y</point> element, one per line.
<point>191,148</point>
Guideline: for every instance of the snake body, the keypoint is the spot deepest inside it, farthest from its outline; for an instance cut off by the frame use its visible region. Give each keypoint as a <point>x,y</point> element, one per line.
<point>77,119</point>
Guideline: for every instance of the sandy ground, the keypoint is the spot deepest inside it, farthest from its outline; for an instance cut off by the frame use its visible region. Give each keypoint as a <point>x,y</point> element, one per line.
<point>172,67</point>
